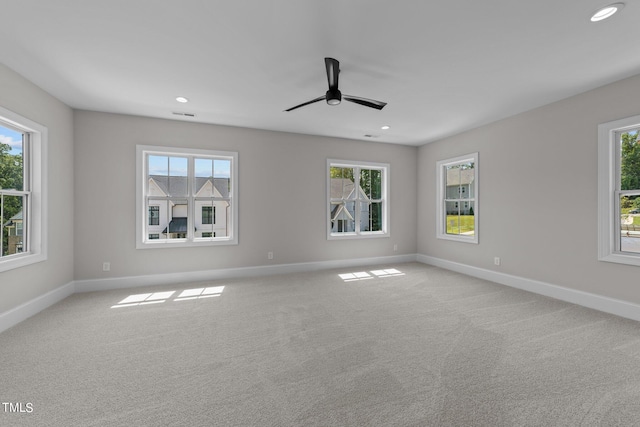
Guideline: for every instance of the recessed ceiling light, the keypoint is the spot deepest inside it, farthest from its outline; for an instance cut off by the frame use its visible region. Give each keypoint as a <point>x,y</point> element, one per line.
<point>182,99</point>
<point>606,12</point>
<point>385,127</point>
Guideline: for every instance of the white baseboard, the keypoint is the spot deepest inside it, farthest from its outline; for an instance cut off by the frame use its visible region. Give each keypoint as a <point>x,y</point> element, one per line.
<point>22,312</point>
<point>598,302</point>
<point>230,273</point>
<point>16,315</point>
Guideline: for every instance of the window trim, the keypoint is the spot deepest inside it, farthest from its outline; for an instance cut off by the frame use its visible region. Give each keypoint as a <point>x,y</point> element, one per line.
<point>36,215</point>
<point>441,232</point>
<point>142,242</point>
<point>386,172</point>
<point>608,176</point>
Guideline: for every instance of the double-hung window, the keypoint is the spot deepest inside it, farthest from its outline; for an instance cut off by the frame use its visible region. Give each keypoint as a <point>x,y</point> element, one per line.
<point>619,191</point>
<point>179,193</point>
<point>357,199</point>
<point>457,183</point>
<point>22,191</point>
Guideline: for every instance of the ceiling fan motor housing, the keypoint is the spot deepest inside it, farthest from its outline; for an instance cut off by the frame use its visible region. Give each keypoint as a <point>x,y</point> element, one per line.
<point>334,97</point>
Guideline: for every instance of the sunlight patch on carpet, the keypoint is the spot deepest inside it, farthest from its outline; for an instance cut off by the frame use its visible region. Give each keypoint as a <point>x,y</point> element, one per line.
<point>198,293</point>
<point>388,272</point>
<point>161,297</point>
<point>144,299</point>
<point>363,275</point>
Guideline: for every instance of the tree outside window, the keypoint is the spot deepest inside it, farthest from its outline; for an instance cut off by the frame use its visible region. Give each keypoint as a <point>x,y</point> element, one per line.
<point>12,196</point>
<point>629,191</point>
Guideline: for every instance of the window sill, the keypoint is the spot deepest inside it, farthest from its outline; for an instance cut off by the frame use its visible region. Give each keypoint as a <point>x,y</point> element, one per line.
<point>11,262</point>
<point>347,236</point>
<point>458,238</point>
<point>620,258</point>
<point>177,243</point>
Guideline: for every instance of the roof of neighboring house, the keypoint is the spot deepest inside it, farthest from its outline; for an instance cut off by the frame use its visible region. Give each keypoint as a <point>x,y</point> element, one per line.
<point>341,187</point>
<point>179,184</point>
<point>460,176</point>
<point>16,217</point>
<point>341,212</point>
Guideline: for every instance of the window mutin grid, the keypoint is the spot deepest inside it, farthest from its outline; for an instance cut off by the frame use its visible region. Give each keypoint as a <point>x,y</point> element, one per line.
<point>357,199</point>
<point>182,182</point>
<point>616,192</point>
<point>23,191</point>
<point>457,198</point>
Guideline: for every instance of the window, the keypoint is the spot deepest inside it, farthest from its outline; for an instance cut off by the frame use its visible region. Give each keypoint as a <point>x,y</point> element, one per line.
<point>182,189</point>
<point>154,215</point>
<point>207,215</point>
<point>457,183</point>
<point>357,199</point>
<point>619,191</point>
<point>22,191</point>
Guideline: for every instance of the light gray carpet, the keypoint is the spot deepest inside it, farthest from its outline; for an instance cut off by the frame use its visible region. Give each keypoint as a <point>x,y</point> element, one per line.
<point>425,348</point>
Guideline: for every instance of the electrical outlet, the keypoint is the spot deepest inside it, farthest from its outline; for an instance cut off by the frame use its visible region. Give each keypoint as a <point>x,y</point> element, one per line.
<point>106,266</point>
<point>496,260</point>
<point>270,255</point>
<point>395,247</point>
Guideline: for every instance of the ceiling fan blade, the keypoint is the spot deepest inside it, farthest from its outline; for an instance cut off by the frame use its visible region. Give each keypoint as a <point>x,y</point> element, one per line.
<point>320,98</point>
<point>333,69</point>
<point>378,105</point>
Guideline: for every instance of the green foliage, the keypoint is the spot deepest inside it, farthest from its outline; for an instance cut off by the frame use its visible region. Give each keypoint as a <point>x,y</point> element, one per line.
<point>630,162</point>
<point>11,177</point>
<point>459,224</point>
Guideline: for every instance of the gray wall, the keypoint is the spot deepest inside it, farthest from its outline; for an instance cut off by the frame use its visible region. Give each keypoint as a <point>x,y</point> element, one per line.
<point>282,196</point>
<point>24,284</point>
<point>538,193</point>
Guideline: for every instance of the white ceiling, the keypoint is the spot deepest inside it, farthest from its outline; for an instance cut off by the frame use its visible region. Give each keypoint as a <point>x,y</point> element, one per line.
<point>442,66</point>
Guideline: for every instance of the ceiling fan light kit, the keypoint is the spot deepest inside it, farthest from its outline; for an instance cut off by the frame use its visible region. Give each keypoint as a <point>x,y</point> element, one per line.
<point>334,96</point>
<point>606,12</point>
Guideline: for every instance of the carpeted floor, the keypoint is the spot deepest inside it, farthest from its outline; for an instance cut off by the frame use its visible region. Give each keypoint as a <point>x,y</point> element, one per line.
<point>397,345</point>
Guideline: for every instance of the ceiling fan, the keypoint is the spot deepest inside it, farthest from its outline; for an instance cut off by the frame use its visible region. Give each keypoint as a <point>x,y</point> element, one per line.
<point>334,96</point>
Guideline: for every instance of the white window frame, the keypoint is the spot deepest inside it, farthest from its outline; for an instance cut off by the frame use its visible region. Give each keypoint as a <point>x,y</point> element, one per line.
<point>441,182</point>
<point>357,234</point>
<point>609,227</point>
<point>35,190</point>
<point>142,215</point>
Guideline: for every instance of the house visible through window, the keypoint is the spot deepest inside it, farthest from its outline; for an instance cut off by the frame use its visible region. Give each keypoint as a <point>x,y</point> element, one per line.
<point>22,191</point>
<point>619,191</point>
<point>357,199</point>
<point>457,184</point>
<point>182,190</point>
